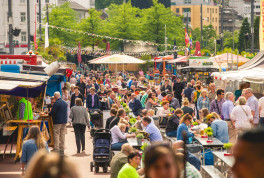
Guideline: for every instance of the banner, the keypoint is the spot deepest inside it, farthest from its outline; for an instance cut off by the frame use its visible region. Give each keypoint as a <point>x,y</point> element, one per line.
<point>46,35</point>
<point>261,26</point>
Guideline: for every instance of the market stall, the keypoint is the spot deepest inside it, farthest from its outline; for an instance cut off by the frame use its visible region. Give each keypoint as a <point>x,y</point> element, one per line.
<point>31,87</point>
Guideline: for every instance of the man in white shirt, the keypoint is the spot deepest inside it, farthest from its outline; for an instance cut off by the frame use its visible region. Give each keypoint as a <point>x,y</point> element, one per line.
<point>261,111</point>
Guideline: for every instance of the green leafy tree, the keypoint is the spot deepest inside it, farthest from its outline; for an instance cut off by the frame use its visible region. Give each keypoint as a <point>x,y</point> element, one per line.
<point>154,20</point>
<point>91,24</point>
<point>101,4</point>
<point>123,22</point>
<point>243,39</point>
<point>228,42</point>
<point>63,16</point>
<point>209,35</point>
<point>256,33</point>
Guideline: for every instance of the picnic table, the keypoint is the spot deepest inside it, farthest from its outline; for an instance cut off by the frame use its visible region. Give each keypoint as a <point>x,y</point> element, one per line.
<point>216,144</point>
<point>133,142</point>
<point>226,160</point>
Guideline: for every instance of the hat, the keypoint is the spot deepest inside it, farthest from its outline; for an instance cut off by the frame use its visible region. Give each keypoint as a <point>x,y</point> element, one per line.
<point>209,116</point>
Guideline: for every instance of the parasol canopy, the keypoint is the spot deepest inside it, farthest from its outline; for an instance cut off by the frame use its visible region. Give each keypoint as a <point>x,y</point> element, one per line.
<point>117,59</point>
<point>182,59</point>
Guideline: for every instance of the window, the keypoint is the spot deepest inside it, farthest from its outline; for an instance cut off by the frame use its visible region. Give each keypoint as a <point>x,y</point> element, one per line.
<point>22,16</point>
<point>216,11</point>
<point>46,1</point>
<point>23,36</point>
<point>22,1</point>
<point>212,10</point>
<point>186,9</point>
<point>215,28</point>
<point>208,19</point>
<point>212,19</point>
<point>177,10</point>
<point>215,19</point>
<point>207,10</point>
<point>185,19</point>
<point>187,1</point>
<point>173,3</point>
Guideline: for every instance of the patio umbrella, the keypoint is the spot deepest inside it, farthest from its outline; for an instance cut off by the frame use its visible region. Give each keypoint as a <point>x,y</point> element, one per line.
<point>117,59</point>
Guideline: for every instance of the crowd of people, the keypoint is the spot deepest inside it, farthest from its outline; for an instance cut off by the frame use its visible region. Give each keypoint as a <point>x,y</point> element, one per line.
<point>173,104</point>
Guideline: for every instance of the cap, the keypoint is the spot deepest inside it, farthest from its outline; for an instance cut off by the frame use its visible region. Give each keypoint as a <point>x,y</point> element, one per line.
<point>209,116</point>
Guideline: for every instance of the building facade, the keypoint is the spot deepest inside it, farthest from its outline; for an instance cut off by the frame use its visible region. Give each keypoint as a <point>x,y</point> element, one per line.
<point>191,11</point>
<point>243,7</point>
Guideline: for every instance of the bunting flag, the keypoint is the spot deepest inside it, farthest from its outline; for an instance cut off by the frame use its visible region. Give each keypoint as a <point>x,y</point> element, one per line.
<point>35,34</point>
<point>186,38</point>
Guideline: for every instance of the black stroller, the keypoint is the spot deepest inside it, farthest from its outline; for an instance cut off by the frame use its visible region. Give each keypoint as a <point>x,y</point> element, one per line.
<point>96,117</point>
<point>102,154</point>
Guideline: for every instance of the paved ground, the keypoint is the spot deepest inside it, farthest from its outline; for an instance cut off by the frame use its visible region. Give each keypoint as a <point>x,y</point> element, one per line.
<point>8,169</point>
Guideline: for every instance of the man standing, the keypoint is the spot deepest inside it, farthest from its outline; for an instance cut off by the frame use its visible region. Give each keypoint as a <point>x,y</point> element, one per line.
<point>188,92</point>
<point>216,104</point>
<point>227,108</point>
<point>166,87</point>
<point>154,133</point>
<point>82,86</point>
<point>135,105</point>
<point>173,102</point>
<point>59,117</point>
<point>120,159</point>
<point>220,128</point>
<point>178,89</point>
<point>24,109</point>
<point>76,94</point>
<point>92,101</point>
<point>252,102</point>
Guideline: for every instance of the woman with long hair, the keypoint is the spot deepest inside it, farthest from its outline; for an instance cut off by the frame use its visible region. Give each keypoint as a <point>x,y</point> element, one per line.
<point>161,162</point>
<point>185,107</point>
<point>150,103</point>
<point>33,142</point>
<point>203,101</point>
<point>120,114</point>
<point>183,128</point>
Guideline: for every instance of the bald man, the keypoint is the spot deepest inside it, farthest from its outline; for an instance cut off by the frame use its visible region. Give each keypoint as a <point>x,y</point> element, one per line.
<point>120,159</point>
<point>59,117</point>
<point>193,160</point>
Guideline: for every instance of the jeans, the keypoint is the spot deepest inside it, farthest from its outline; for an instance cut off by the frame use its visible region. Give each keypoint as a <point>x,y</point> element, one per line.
<point>172,134</point>
<point>79,130</point>
<point>261,121</point>
<point>117,146</point>
<point>59,136</point>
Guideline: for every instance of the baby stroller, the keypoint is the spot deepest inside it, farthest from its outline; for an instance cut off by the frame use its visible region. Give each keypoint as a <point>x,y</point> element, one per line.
<point>102,154</point>
<point>96,117</point>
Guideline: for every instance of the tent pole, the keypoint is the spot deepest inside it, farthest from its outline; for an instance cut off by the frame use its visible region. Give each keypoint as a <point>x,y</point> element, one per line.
<point>44,97</point>
<point>123,72</point>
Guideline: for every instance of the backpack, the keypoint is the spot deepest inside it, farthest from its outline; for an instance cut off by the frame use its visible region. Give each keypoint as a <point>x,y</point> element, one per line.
<point>197,95</point>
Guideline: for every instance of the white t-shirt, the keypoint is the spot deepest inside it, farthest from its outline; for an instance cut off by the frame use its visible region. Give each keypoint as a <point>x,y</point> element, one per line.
<point>241,114</point>
<point>261,104</point>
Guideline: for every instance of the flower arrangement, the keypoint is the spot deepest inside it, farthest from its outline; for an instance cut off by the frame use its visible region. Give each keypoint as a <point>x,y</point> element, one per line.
<point>132,120</point>
<point>126,109</point>
<point>133,130</point>
<point>228,146</point>
<point>140,136</point>
<point>195,123</point>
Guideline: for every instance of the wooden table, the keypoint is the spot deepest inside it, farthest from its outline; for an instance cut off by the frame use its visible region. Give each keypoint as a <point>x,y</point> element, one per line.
<point>48,118</point>
<point>226,161</point>
<point>214,145</point>
<point>133,142</point>
<point>21,125</point>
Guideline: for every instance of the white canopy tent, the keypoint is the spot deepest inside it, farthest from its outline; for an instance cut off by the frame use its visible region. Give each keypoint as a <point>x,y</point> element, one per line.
<point>117,59</point>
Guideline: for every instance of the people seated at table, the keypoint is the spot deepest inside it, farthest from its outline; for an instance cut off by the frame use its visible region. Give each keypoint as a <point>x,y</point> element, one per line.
<point>248,154</point>
<point>164,110</point>
<point>135,105</point>
<point>120,159</point>
<point>183,128</point>
<point>120,114</point>
<point>119,136</point>
<point>33,142</point>
<point>186,109</point>
<point>154,133</point>
<point>113,113</point>
<point>173,123</point>
<point>191,171</point>
<point>129,169</point>
<point>173,102</point>
<point>178,146</point>
<point>203,116</point>
<point>160,161</point>
<point>76,95</point>
<point>220,128</point>
<point>150,101</point>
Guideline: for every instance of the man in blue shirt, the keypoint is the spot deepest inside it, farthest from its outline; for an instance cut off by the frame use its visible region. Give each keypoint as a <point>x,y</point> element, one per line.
<point>154,133</point>
<point>188,92</point>
<point>135,105</point>
<point>220,129</point>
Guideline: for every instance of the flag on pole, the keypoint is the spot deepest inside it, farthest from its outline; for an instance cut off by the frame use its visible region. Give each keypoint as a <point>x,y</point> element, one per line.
<point>35,34</point>
<point>190,41</point>
<point>186,38</point>
<point>47,35</point>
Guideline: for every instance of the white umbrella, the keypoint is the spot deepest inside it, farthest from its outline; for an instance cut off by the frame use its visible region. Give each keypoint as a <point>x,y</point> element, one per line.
<point>117,59</point>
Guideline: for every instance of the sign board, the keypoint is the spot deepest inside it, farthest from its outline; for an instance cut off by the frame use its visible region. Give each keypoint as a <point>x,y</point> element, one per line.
<point>201,62</point>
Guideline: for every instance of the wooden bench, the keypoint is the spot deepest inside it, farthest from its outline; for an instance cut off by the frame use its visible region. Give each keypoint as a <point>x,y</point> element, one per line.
<point>211,171</point>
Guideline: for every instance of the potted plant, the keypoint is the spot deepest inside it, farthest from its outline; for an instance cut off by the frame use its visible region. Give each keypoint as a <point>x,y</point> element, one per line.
<point>139,137</point>
<point>127,109</point>
<point>133,130</point>
<point>210,135</point>
<point>132,120</point>
<point>228,147</point>
<point>195,123</point>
